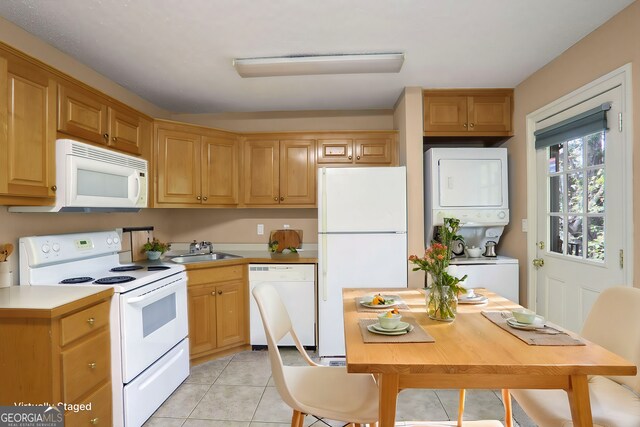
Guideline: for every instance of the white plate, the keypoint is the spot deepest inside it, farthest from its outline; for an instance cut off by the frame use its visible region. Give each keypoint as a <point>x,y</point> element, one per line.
<point>477,299</point>
<point>402,326</point>
<point>372,329</point>
<point>538,323</point>
<point>366,301</point>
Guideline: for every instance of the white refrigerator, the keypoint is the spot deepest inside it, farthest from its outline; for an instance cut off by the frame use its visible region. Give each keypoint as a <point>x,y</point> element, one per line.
<point>362,241</point>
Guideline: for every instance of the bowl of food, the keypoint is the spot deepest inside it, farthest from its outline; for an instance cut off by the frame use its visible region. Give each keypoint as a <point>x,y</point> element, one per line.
<point>523,315</point>
<point>389,319</point>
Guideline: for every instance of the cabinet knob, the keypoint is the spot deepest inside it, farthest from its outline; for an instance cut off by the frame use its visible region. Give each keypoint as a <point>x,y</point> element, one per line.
<point>358,158</point>
<point>94,421</point>
<point>213,293</point>
<point>350,157</point>
<point>471,125</point>
<point>92,365</point>
<point>105,136</point>
<point>219,292</point>
<point>464,125</point>
<point>91,321</point>
<point>54,188</point>
<point>275,199</point>
<point>205,198</point>
<point>114,139</point>
<point>282,199</point>
<point>198,198</point>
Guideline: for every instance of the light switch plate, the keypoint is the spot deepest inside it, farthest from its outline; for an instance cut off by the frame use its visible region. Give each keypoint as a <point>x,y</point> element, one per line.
<point>260,229</point>
<point>525,225</point>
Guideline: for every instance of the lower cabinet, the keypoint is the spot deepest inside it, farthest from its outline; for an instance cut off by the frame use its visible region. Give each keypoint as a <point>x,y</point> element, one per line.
<point>218,310</point>
<point>62,355</point>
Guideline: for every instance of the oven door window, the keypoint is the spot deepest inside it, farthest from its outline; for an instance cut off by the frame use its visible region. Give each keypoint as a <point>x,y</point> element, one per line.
<point>158,314</point>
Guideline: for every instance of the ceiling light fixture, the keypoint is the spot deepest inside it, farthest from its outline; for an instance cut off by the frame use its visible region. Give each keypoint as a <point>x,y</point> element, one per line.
<point>319,64</point>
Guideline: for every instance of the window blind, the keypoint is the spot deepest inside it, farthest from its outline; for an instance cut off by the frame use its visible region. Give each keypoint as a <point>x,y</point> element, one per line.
<point>588,122</point>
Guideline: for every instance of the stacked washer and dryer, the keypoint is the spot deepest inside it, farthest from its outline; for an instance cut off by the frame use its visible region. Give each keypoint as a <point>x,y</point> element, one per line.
<point>471,184</point>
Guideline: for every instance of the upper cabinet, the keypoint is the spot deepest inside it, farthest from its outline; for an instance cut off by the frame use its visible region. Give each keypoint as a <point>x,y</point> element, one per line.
<point>27,132</point>
<point>468,112</point>
<point>83,114</point>
<point>280,170</point>
<point>195,166</point>
<point>357,149</point>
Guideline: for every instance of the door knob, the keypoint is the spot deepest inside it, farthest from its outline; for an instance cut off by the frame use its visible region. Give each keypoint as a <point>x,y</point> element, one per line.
<point>540,244</point>
<point>538,262</point>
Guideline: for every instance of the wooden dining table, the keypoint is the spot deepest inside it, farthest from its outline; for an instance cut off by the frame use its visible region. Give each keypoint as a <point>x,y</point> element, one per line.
<point>471,353</point>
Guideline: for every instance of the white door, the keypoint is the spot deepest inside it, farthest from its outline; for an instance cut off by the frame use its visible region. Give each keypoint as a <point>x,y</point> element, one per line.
<point>580,216</point>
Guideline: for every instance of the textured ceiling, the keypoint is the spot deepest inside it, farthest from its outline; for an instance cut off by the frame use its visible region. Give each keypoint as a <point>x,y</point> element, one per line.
<point>177,54</point>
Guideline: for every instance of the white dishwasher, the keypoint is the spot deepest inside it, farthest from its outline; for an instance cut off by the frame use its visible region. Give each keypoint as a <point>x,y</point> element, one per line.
<point>295,284</point>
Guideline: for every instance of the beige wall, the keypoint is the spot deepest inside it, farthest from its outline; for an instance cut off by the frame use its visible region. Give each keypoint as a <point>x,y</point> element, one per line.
<point>614,44</point>
<point>407,119</point>
<point>293,120</point>
<point>19,39</point>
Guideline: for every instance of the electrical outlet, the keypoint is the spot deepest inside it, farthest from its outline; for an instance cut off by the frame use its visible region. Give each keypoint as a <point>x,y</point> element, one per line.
<point>260,229</point>
<point>285,225</point>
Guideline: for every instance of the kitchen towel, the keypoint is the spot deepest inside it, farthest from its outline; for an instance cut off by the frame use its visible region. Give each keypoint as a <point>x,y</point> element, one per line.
<point>533,337</point>
<point>400,305</point>
<point>416,335</point>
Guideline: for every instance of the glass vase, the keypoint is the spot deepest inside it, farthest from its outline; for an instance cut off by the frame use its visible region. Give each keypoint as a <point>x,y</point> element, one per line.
<point>442,303</point>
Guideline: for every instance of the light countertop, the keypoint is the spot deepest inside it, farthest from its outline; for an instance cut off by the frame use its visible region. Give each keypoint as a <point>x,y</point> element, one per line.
<point>49,300</point>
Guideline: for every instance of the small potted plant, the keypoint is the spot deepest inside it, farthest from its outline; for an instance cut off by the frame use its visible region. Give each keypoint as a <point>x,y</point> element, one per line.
<point>155,248</point>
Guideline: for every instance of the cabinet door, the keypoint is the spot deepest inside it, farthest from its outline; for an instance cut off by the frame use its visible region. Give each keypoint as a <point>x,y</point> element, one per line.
<point>335,151</point>
<point>220,170</point>
<point>261,172</point>
<point>27,150</point>
<point>445,113</point>
<point>178,169</point>
<point>125,131</point>
<point>489,113</point>
<point>373,151</point>
<point>202,318</point>
<point>231,314</point>
<point>82,114</point>
<point>297,172</point>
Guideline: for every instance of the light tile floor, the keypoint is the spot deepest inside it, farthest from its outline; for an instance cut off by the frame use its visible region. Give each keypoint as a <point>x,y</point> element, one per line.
<point>237,391</point>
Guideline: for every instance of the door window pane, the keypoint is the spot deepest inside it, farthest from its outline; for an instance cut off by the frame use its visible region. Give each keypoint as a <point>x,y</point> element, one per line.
<point>574,235</point>
<point>575,193</point>
<point>595,242</point>
<point>556,194</point>
<point>556,235</point>
<point>595,190</point>
<point>556,158</point>
<point>575,153</point>
<point>595,149</point>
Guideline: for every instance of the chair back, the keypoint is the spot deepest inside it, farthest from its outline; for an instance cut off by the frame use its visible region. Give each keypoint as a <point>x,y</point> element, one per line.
<point>614,323</point>
<point>277,324</point>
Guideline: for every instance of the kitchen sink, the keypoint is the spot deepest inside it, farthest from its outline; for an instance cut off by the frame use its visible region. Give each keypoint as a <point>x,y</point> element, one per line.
<point>214,256</point>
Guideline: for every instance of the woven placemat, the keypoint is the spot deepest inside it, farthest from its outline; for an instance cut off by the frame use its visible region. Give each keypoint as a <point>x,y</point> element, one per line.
<point>416,335</point>
<point>534,337</point>
<point>400,305</point>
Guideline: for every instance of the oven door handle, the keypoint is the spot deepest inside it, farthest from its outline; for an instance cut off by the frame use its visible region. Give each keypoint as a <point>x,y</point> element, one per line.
<point>153,294</point>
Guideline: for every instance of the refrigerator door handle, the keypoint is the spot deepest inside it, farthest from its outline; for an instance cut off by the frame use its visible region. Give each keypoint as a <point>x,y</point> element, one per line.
<point>324,267</point>
<point>323,213</point>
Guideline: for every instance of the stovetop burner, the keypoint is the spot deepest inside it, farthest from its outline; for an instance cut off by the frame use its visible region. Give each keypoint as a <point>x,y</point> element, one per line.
<point>114,280</point>
<point>127,268</point>
<point>75,280</point>
<point>158,267</point>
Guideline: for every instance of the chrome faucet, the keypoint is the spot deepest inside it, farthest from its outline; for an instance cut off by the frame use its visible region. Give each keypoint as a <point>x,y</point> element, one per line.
<point>196,247</point>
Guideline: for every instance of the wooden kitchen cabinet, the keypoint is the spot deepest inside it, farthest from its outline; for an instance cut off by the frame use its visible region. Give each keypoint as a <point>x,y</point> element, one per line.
<point>358,149</point>
<point>27,142</point>
<point>218,310</point>
<point>279,172</point>
<point>468,112</point>
<point>196,166</point>
<point>84,114</point>
<point>59,355</point>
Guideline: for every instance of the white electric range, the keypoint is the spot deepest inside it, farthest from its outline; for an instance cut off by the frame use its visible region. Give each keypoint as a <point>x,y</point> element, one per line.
<point>148,317</point>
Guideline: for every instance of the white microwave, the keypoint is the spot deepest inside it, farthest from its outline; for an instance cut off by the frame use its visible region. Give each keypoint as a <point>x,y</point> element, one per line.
<point>93,179</point>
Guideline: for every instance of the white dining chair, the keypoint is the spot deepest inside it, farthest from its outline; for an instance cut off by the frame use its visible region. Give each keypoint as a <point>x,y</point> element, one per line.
<point>322,391</point>
<point>613,323</point>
